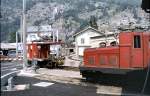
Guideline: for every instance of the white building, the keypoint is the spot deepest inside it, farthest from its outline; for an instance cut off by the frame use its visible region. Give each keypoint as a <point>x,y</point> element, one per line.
<point>83,40</point>
<point>34,32</point>
<point>107,39</point>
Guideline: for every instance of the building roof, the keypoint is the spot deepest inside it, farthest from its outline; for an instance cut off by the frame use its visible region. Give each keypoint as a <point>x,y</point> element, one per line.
<point>8,46</point>
<point>109,34</point>
<point>45,28</point>
<point>96,37</point>
<point>87,29</point>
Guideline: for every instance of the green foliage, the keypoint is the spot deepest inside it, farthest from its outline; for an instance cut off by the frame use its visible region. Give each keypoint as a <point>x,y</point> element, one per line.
<point>93,23</point>
<point>83,25</point>
<point>12,37</point>
<point>11,10</point>
<point>37,23</point>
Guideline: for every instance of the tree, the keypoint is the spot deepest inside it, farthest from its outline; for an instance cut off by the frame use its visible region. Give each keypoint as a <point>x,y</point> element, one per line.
<point>145,6</point>
<point>93,22</point>
<point>12,37</point>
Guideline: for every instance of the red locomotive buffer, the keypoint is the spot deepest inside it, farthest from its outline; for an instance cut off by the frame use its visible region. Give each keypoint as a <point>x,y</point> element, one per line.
<point>132,53</point>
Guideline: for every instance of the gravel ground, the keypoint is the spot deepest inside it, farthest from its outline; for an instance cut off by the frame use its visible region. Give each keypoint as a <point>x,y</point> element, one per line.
<point>73,62</point>
<point>60,72</point>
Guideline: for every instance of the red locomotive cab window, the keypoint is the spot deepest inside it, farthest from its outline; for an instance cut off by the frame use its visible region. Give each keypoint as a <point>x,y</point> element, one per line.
<point>137,41</point>
<point>91,60</point>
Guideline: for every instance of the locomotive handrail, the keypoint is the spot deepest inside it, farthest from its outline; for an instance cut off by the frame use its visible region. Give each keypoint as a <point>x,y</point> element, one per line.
<point>125,45</point>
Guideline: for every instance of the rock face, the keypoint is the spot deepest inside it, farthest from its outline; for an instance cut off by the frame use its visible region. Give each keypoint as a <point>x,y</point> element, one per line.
<point>70,15</point>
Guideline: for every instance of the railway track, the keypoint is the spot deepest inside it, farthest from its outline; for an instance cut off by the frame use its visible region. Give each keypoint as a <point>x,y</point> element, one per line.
<point>7,58</point>
<point>70,68</point>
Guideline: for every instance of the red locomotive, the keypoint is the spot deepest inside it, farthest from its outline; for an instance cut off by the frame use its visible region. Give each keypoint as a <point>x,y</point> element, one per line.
<point>40,52</point>
<point>132,53</point>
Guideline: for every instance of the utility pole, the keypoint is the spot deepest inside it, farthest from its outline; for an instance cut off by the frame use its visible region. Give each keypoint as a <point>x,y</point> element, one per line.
<point>53,36</point>
<point>57,36</point>
<point>16,44</point>
<point>21,35</point>
<point>24,37</point>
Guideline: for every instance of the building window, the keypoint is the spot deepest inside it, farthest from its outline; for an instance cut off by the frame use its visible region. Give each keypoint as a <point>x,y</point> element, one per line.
<point>32,37</point>
<point>137,41</point>
<point>82,40</point>
<point>114,43</point>
<point>102,44</point>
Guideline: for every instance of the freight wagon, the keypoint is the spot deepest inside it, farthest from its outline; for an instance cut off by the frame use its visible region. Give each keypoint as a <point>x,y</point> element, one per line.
<point>43,55</point>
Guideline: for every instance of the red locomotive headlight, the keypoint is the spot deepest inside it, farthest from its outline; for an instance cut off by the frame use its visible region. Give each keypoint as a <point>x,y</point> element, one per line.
<point>31,47</point>
<point>39,47</point>
<point>27,55</point>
